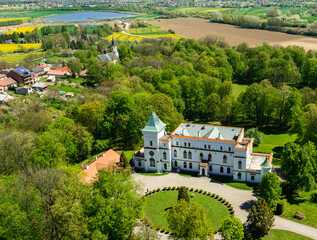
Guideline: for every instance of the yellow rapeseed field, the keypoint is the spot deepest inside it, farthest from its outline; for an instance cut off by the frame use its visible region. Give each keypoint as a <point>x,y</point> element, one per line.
<point>13,47</point>
<point>23,30</point>
<point>10,19</point>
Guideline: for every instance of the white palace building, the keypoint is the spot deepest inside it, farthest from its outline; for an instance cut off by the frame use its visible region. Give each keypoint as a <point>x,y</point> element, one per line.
<point>204,149</point>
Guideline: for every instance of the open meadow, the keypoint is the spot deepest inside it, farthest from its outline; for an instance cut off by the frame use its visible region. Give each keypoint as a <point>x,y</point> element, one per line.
<point>198,28</point>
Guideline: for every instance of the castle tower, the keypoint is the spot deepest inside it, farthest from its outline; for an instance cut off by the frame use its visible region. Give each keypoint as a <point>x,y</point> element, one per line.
<point>152,132</point>
<point>114,47</point>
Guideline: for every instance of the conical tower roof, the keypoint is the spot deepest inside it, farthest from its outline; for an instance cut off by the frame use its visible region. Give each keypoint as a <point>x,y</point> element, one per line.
<point>154,124</point>
<point>266,163</point>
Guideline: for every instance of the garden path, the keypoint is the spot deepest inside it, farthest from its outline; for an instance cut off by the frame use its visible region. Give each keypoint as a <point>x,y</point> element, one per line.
<point>241,200</point>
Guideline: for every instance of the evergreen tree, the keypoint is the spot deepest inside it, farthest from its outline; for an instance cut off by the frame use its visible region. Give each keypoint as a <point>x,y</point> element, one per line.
<point>183,194</point>
<point>260,219</point>
<point>124,162</point>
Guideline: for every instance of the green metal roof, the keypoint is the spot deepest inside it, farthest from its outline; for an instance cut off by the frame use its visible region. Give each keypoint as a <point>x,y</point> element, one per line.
<point>154,124</point>
<point>266,163</point>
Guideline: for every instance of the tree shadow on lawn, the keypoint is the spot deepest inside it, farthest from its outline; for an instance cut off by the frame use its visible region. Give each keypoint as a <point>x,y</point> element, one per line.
<point>247,205</point>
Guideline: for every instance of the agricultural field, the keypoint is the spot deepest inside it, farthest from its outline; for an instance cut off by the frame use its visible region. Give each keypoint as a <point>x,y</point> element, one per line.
<point>193,9</point>
<point>13,58</point>
<point>31,14</point>
<point>23,30</point>
<point>10,19</point>
<point>147,30</point>
<point>13,47</point>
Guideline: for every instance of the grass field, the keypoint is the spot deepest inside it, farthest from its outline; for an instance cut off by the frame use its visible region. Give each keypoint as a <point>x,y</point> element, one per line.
<point>64,88</point>
<point>23,30</point>
<point>156,204</point>
<point>13,47</point>
<point>31,14</point>
<point>237,89</point>
<point>281,234</point>
<point>304,205</point>
<point>13,58</point>
<point>228,181</point>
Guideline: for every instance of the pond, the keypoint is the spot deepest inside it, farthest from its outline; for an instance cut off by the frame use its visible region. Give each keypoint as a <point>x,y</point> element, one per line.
<point>86,16</point>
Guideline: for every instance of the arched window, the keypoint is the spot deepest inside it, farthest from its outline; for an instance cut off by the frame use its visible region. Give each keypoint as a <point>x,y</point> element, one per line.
<point>239,175</point>
<point>221,169</point>
<point>151,153</point>
<point>210,168</point>
<point>209,157</point>
<point>240,164</point>
<point>175,163</point>
<point>201,156</point>
<point>185,154</point>
<point>152,162</point>
<point>190,155</point>
<point>165,166</point>
<point>185,164</point>
<point>224,159</point>
<point>175,153</point>
<point>164,155</point>
<point>228,170</point>
<point>190,165</point>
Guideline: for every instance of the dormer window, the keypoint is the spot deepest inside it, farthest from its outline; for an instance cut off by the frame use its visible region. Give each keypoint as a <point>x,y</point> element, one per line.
<point>151,143</point>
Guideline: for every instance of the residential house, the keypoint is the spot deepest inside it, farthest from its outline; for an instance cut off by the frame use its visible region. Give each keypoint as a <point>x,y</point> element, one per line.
<point>2,76</point>
<point>108,160</point>
<point>202,149</point>
<point>38,70</point>
<point>22,75</point>
<point>50,78</point>
<point>41,87</point>
<point>63,72</point>
<point>6,71</point>
<point>70,94</point>
<point>46,68</point>
<point>23,90</point>
<point>4,98</point>
<point>7,83</point>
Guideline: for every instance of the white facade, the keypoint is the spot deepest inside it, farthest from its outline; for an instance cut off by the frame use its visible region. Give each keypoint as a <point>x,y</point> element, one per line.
<point>204,149</point>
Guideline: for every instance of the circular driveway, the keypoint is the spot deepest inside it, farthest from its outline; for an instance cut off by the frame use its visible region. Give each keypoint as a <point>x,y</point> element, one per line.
<point>241,200</point>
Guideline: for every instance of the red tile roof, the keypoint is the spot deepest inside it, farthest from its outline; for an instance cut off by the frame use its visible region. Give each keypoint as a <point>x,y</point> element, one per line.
<point>69,94</point>
<point>2,76</point>
<point>63,69</point>
<point>43,66</point>
<point>109,159</point>
<point>7,82</point>
<point>57,72</point>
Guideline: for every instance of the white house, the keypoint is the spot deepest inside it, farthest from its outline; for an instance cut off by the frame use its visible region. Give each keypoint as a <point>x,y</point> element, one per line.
<point>201,148</point>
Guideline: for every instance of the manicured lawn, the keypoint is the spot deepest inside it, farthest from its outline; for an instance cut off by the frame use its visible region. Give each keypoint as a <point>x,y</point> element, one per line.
<point>64,88</point>
<point>228,181</point>
<point>237,89</point>
<point>275,234</point>
<point>304,205</point>
<point>274,143</point>
<point>156,204</point>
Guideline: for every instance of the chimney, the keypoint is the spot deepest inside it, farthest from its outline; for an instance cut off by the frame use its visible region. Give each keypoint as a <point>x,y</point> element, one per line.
<point>183,131</point>
<point>86,166</point>
<point>218,135</point>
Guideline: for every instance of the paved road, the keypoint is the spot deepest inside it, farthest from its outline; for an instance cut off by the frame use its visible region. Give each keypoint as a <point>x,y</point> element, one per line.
<point>241,200</point>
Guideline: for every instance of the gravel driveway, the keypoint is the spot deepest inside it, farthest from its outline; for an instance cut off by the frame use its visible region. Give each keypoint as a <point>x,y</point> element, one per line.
<point>241,200</point>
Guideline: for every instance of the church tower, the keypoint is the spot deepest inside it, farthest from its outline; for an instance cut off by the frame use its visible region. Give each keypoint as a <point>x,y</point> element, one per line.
<point>152,132</point>
<point>114,48</point>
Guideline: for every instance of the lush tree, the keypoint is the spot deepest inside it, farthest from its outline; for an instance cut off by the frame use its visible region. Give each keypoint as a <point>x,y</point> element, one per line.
<point>75,67</point>
<point>232,229</point>
<point>183,194</point>
<point>260,219</point>
<point>113,208</point>
<point>270,189</point>
<point>299,162</point>
<point>49,152</point>
<point>188,221</point>
<point>255,134</point>
<point>124,162</point>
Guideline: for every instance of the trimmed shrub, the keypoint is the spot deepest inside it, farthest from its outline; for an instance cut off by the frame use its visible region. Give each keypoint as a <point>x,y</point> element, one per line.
<point>158,189</point>
<point>191,189</point>
<point>169,188</point>
<point>187,188</point>
<point>173,188</point>
<point>213,195</point>
<point>220,199</point>
<point>280,207</point>
<point>217,196</point>
<point>200,191</point>
<point>232,212</point>
<point>177,188</point>
<point>205,192</point>
<point>196,190</point>
<point>208,194</point>
<point>154,191</point>
<point>164,188</point>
